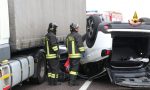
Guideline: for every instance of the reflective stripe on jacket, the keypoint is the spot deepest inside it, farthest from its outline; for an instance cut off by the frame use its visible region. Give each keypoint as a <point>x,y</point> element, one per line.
<point>73,73</point>
<point>74,45</point>
<point>52,75</point>
<point>51,46</point>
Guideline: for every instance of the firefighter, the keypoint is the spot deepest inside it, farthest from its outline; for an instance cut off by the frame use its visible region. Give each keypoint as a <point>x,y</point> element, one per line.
<point>75,49</point>
<point>51,46</point>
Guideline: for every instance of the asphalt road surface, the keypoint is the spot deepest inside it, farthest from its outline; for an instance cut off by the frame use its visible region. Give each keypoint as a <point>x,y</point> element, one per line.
<point>99,84</point>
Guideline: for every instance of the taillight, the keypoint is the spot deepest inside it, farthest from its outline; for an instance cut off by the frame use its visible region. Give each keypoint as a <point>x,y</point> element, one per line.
<point>105,52</point>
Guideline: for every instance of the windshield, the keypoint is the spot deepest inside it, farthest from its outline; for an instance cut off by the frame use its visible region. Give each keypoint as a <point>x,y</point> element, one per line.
<point>125,7</point>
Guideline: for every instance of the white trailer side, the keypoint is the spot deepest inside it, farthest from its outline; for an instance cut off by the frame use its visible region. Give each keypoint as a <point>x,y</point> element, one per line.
<point>29,20</point>
<point>23,24</point>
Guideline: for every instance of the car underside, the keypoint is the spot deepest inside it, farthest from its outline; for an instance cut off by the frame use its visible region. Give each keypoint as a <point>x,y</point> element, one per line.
<point>127,64</point>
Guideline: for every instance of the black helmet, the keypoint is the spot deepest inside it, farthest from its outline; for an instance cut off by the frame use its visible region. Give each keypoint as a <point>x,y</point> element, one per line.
<point>52,28</point>
<point>73,27</point>
<point>55,26</point>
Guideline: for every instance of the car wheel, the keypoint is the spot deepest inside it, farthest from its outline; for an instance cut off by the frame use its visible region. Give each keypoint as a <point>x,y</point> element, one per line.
<point>92,29</point>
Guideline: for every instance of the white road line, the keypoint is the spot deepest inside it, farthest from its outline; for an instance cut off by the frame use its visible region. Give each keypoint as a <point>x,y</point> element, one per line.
<point>85,85</point>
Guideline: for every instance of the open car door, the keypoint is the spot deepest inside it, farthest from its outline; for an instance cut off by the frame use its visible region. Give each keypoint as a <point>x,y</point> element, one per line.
<point>129,65</point>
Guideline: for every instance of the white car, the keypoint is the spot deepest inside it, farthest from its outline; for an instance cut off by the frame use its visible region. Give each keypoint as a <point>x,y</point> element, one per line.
<point>128,44</point>
<point>121,50</point>
<point>98,47</point>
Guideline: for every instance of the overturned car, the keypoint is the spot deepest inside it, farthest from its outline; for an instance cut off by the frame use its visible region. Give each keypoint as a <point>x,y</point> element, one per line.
<point>122,50</point>
<point>129,63</point>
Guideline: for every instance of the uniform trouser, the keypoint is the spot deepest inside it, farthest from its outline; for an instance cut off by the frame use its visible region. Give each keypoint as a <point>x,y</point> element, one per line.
<point>53,70</point>
<point>74,66</point>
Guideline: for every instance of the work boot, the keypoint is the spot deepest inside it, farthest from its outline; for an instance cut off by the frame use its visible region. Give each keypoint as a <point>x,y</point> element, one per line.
<point>52,81</point>
<point>73,81</point>
<point>49,81</point>
<point>56,82</point>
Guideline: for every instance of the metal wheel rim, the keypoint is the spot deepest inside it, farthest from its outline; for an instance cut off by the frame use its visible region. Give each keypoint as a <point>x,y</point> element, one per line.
<point>90,30</point>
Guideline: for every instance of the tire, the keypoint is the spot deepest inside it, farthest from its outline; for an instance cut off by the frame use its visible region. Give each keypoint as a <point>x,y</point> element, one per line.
<point>144,19</point>
<point>92,29</point>
<point>40,68</point>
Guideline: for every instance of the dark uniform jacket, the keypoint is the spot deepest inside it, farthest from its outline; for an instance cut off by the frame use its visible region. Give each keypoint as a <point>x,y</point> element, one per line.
<point>51,46</point>
<point>74,45</point>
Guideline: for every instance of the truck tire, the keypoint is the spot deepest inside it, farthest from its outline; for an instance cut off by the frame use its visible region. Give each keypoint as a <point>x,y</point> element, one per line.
<point>40,67</point>
<point>92,29</point>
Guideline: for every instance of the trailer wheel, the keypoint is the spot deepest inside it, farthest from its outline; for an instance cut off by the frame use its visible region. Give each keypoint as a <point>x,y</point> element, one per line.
<point>40,68</point>
<point>92,29</point>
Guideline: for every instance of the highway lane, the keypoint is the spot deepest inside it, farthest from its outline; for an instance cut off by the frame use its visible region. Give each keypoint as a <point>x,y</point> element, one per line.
<point>45,86</point>
<point>98,84</point>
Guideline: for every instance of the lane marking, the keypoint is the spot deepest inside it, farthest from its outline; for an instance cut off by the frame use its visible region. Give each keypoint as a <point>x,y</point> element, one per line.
<point>85,85</point>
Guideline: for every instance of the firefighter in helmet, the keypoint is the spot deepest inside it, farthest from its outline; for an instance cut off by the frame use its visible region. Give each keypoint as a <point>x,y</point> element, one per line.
<point>75,49</point>
<point>51,46</point>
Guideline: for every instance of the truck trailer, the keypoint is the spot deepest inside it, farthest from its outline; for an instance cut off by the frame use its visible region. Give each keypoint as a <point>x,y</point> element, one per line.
<point>23,24</point>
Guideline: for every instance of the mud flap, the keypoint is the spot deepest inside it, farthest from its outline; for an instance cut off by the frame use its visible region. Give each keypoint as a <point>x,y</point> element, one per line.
<point>129,77</point>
